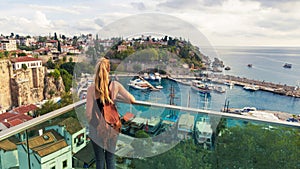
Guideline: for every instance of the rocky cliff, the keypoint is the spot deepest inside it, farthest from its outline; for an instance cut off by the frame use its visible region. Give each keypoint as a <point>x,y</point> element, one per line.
<point>5,90</point>
<point>27,86</point>
<point>53,88</point>
<point>21,87</point>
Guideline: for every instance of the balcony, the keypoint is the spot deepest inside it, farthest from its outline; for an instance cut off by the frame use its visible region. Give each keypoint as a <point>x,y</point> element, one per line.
<point>237,141</point>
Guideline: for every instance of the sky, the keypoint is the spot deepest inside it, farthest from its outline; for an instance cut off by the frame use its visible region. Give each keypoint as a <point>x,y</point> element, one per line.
<point>222,22</point>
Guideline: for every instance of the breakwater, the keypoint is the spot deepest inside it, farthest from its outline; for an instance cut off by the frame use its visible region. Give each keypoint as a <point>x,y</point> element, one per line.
<point>282,89</point>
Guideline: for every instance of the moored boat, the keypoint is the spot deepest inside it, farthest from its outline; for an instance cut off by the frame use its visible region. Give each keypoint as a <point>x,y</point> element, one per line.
<point>157,76</point>
<point>200,86</point>
<point>219,89</point>
<point>151,76</point>
<point>251,87</point>
<point>146,76</point>
<point>139,84</point>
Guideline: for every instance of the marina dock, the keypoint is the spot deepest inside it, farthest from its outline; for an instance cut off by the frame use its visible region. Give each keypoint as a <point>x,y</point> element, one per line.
<point>281,89</point>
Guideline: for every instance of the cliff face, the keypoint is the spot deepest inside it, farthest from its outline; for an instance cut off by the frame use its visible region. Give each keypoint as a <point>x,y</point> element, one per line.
<point>5,90</point>
<point>21,87</point>
<point>27,86</point>
<point>53,88</point>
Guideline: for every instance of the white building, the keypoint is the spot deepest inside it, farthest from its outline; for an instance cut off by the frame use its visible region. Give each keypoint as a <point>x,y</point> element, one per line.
<point>8,154</point>
<point>185,126</point>
<point>46,151</point>
<point>30,62</point>
<point>9,45</point>
<point>73,132</point>
<point>204,132</point>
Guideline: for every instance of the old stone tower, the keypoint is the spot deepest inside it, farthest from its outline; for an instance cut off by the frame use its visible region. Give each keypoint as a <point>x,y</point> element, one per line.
<point>27,80</point>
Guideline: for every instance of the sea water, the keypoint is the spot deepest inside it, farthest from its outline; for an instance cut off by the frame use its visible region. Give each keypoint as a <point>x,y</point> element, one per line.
<point>267,65</point>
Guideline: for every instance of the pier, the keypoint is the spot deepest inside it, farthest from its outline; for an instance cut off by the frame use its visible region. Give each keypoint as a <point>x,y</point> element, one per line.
<point>293,91</point>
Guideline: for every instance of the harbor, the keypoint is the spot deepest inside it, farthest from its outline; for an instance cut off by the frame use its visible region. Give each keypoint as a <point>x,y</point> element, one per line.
<point>281,89</point>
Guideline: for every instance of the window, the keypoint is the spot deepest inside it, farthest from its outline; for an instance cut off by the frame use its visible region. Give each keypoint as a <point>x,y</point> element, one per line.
<point>65,164</point>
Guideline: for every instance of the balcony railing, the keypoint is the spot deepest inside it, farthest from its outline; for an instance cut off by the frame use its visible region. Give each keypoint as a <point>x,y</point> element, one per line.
<point>7,133</point>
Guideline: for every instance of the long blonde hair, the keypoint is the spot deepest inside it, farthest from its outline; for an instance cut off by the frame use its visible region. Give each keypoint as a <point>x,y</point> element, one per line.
<point>102,79</point>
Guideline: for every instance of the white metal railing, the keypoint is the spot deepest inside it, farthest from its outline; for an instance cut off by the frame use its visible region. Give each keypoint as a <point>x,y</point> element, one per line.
<point>38,120</point>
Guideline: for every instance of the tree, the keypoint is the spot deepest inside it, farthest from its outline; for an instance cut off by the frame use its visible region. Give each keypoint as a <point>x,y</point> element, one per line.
<point>22,54</point>
<point>67,79</point>
<point>184,155</point>
<point>69,67</point>
<point>64,58</point>
<point>59,47</point>
<point>24,67</point>
<point>51,93</point>
<point>70,59</point>
<point>55,36</point>
<point>6,54</point>
<point>257,146</point>
<point>49,64</point>
<point>47,107</point>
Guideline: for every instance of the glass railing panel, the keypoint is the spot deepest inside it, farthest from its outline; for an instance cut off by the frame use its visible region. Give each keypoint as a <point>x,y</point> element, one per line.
<point>168,137</point>
<point>206,139</point>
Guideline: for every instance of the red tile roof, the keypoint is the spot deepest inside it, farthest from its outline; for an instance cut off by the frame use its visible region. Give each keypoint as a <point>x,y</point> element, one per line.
<point>25,109</point>
<point>15,122</point>
<point>52,41</point>
<point>6,115</point>
<point>12,119</point>
<point>24,59</point>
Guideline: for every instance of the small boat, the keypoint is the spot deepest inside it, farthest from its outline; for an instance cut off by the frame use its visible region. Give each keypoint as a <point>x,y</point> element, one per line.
<point>227,68</point>
<point>146,76</point>
<point>219,89</point>
<point>159,87</point>
<point>151,76</point>
<point>200,86</point>
<point>287,65</point>
<point>157,76</point>
<point>251,87</point>
<point>249,65</point>
<point>139,84</point>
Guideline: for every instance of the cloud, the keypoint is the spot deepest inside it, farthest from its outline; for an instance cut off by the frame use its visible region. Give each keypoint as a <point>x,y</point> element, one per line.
<point>221,21</point>
<point>138,5</point>
<point>99,22</point>
<point>41,20</point>
<point>53,8</point>
<point>180,4</point>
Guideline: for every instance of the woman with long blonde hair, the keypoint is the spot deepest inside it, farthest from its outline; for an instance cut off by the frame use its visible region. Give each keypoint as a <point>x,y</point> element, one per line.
<point>103,91</point>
